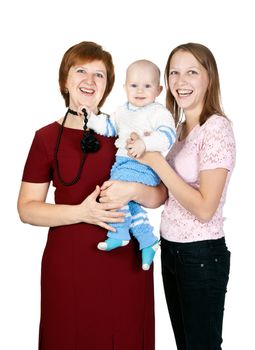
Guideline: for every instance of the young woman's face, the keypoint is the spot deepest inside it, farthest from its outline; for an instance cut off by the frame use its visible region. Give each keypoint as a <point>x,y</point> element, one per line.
<point>188,82</point>
<point>86,84</point>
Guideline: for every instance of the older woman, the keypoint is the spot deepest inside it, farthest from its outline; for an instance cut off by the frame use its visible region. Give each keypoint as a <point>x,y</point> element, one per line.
<point>82,305</point>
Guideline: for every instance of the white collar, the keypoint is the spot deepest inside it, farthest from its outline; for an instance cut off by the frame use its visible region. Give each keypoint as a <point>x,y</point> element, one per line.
<point>132,107</point>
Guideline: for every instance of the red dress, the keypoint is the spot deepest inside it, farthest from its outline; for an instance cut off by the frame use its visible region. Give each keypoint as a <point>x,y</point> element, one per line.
<point>90,300</point>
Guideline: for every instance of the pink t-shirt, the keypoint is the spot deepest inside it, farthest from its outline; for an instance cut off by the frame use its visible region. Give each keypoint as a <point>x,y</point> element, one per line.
<point>209,146</point>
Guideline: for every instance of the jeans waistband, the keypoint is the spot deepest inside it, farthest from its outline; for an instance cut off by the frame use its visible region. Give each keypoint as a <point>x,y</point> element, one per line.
<point>210,243</point>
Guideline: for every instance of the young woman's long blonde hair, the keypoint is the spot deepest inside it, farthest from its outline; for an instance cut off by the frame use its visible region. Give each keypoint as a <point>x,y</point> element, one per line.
<point>212,104</point>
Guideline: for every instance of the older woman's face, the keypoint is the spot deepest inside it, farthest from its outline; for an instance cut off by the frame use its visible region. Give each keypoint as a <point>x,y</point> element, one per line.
<point>86,83</point>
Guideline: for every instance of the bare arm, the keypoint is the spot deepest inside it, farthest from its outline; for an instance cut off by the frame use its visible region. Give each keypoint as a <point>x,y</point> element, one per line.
<point>150,196</point>
<point>121,191</point>
<point>34,210</point>
<point>202,202</point>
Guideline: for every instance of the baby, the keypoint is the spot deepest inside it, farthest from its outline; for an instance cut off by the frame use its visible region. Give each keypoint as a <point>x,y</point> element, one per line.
<point>155,126</point>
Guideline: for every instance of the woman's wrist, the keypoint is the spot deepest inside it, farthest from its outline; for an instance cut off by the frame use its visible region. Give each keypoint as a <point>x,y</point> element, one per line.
<point>135,189</point>
<point>75,212</point>
<point>151,159</point>
<point>156,159</point>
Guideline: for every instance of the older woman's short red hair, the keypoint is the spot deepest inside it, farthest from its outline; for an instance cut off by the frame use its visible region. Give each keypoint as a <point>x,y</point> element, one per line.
<point>86,51</point>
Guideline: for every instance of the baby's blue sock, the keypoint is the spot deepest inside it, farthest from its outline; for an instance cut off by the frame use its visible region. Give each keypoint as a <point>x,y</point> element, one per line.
<point>148,254</point>
<point>111,243</point>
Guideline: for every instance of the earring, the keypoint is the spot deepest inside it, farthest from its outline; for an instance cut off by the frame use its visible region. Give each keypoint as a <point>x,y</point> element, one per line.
<point>182,115</point>
<point>66,91</point>
<point>174,106</point>
<point>179,114</point>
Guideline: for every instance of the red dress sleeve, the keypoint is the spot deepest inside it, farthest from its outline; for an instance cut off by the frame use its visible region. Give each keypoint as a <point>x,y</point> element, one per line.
<point>38,166</point>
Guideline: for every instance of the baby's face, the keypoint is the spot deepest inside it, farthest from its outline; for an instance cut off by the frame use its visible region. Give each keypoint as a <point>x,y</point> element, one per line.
<point>142,84</point>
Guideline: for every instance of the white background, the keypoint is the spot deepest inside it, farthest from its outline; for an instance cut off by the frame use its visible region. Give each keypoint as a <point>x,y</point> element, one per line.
<point>34,36</point>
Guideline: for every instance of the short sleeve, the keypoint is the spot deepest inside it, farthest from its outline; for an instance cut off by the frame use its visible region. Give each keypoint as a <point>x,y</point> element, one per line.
<point>217,144</point>
<point>37,167</point>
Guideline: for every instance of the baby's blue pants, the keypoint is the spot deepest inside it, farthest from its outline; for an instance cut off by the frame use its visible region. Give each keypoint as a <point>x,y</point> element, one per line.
<point>136,219</point>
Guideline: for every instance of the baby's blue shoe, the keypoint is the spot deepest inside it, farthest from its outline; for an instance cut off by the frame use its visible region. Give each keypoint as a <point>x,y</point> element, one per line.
<point>148,254</point>
<point>111,243</point>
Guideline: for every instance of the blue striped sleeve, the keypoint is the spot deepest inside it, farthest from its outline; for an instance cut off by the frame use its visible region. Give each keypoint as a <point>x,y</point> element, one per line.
<point>110,129</point>
<point>169,132</point>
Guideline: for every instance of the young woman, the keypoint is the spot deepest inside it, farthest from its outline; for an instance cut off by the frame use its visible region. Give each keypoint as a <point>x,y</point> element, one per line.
<point>196,172</point>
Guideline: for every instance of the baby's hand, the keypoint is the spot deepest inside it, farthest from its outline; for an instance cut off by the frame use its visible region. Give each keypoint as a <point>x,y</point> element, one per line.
<point>136,148</point>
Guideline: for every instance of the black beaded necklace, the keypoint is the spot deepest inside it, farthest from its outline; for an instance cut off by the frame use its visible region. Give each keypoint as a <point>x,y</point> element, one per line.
<point>89,144</point>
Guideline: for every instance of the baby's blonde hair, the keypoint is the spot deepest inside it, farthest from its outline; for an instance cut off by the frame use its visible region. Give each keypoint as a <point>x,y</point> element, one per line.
<point>144,62</point>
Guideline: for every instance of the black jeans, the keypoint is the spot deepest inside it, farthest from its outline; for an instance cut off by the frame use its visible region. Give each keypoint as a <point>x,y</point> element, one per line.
<point>195,277</point>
